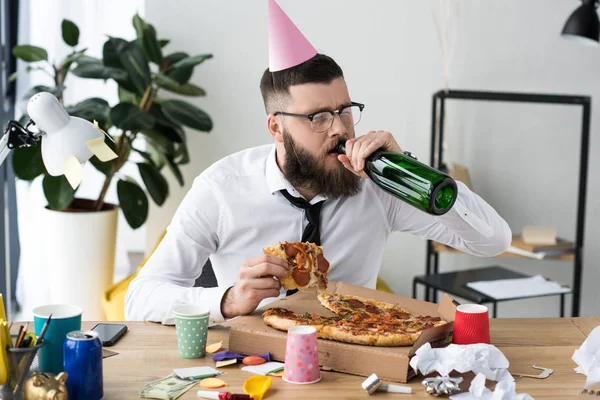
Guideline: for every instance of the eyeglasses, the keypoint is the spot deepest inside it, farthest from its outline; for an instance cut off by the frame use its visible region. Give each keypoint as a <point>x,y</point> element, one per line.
<point>321,121</point>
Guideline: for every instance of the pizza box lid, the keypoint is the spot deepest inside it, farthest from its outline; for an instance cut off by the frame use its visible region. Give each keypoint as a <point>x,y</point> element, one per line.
<point>249,334</point>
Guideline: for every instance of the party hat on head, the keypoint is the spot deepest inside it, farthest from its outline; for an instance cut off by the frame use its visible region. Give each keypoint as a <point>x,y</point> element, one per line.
<point>287,45</point>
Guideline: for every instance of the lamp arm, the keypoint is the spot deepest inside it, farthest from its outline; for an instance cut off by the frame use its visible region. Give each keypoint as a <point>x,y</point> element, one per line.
<point>16,135</point>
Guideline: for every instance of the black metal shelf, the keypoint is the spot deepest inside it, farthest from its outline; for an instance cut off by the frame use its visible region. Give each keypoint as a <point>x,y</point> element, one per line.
<point>436,156</point>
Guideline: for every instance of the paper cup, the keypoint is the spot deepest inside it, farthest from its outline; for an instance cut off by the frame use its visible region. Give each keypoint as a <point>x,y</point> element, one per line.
<point>65,318</point>
<point>191,325</point>
<point>301,356</point>
<point>471,324</point>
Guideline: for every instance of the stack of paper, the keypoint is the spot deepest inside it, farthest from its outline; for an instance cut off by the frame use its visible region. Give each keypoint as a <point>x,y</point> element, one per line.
<point>521,287</point>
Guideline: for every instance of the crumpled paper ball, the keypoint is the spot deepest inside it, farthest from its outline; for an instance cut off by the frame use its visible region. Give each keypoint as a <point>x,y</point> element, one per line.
<point>587,358</point>
<point>505,390</point>
<point>479,358</point>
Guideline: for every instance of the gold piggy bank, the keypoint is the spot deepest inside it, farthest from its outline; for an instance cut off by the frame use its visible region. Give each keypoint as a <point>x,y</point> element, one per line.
<point>45,386</point>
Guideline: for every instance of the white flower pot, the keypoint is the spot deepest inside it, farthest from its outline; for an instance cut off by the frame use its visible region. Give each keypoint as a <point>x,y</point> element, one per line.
<point>79,252</point>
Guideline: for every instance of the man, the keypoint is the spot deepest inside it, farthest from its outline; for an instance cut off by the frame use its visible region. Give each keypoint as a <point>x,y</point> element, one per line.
<point>249,201</point>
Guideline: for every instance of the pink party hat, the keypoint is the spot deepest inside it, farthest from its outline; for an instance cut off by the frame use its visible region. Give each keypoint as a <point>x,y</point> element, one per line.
<point>287,45</point>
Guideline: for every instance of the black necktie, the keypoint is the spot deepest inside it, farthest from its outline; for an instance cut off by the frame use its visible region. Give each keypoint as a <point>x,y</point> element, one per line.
<point>313,211</point>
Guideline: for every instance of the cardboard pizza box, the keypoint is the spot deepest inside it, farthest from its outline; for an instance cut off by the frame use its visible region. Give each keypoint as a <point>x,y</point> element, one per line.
<point>250,335</point>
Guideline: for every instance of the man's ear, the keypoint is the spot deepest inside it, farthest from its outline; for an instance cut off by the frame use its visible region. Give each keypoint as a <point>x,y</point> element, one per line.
<point>274,124</point>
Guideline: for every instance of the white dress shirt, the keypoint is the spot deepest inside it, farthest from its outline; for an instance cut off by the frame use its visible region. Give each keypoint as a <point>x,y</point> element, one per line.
<point>234,210</point>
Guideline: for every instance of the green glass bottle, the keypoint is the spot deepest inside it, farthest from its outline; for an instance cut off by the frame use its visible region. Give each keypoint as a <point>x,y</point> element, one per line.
<point>409,180</point>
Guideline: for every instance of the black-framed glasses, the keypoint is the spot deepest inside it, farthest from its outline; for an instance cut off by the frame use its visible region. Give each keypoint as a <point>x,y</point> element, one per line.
<point>321,121</point>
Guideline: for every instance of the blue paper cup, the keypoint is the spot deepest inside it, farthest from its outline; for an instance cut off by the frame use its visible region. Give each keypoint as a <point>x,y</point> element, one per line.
<point>65,319</point>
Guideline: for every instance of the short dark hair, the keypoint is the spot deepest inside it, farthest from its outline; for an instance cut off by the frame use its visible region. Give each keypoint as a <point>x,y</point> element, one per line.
<point>319,69</point>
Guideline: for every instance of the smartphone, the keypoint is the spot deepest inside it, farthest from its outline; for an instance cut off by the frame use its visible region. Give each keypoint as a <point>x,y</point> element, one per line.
<point>110,333</point>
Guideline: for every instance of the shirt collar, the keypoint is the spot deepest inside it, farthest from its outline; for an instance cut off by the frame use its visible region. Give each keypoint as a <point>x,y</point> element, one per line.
<point>277,181</point>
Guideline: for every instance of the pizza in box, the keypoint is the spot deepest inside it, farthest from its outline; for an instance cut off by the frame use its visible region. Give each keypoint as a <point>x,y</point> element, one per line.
<point>357,320</point>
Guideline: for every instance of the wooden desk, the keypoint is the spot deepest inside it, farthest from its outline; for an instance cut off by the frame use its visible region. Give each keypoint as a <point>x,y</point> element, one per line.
<point>149,352</point>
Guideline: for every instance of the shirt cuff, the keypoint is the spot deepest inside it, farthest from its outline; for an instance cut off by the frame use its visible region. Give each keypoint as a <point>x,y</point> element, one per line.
<point>460,215</point>
<point>215,295</point>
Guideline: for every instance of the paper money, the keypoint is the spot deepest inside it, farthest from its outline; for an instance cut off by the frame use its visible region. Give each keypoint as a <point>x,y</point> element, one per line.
<point>168,388</point>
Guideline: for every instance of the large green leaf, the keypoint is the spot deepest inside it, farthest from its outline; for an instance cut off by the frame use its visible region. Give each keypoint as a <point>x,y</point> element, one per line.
<point>182,156</point>
<point>70,33</point>
<point>186,89</point>
<point>134,62</point>
<point>58,192</point>
<point>163,42</point>
<point>146,39</point>
<point>84,59</point>
<point>187,114</point>
<point>146,156</point>
<point>129,117</point>
<point>30,53</point>
<point>99,71</point>
<point>139,24</point>
<point>56,91</point>
<point>27,162</point>
<point>125,96</point>
<point>191,61</point>
<point>181,75</point>
<point>91,109</point>
<point>159,143</point>
<point>151,45</point>
<point>111,59</point>
<point>175,170</point>
<point>156,154</point>
<point>156,184</point>
<point>133,202</point>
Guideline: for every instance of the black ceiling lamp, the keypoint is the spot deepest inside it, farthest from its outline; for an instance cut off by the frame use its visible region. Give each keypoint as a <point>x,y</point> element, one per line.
<point>583,25</point>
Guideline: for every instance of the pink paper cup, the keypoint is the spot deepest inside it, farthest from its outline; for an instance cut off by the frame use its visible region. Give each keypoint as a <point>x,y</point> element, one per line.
<point>471,324</point>
<point>301,356</point>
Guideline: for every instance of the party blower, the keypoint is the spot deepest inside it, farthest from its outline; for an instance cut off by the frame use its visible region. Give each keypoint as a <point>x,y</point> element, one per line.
<point>68,142</point>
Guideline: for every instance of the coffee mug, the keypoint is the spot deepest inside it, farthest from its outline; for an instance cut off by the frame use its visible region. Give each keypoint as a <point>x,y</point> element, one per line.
<point>65,318</point>
<point>471,324</point>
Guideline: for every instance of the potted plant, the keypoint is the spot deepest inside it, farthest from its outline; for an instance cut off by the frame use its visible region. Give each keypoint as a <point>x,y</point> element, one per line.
<point>81,244</point>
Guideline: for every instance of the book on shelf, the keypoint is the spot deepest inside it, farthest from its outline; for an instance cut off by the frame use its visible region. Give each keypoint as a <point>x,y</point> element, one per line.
<point>562,246</point>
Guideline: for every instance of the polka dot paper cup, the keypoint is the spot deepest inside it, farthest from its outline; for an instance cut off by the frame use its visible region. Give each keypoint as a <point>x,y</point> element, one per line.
<point>301,356</point>
<point>191,324</point>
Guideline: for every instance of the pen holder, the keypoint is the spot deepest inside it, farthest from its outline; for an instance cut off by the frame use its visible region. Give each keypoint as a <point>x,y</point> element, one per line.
<point>21,361</point>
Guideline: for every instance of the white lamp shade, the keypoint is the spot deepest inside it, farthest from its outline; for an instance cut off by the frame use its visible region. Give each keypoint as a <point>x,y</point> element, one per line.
<point>65,136</point>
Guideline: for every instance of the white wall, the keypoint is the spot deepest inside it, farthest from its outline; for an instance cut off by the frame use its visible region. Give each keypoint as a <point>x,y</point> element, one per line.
<point>523,158</point>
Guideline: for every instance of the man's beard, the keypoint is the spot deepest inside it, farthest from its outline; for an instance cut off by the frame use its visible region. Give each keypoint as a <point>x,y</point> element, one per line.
<point>305,171</point>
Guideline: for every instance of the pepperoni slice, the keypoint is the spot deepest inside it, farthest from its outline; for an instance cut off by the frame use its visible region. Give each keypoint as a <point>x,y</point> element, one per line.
<point>301,276</point>
<point>372,309</point>
<point>355,303</point>
<point>291,250</point>
<point>322,263</point>
<point>400,315</point>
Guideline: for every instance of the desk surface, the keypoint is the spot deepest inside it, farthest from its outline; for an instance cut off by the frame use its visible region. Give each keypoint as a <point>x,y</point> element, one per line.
<point>149,352</point>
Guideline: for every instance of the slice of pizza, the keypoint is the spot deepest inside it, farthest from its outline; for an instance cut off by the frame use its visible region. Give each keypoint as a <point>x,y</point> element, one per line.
<point>347,330</point>
<point>373,310</point>
<point>307,266</point>
<point>282,319</point>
